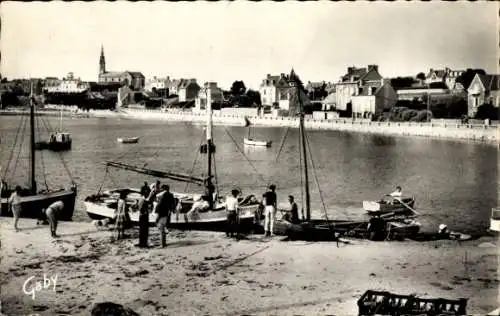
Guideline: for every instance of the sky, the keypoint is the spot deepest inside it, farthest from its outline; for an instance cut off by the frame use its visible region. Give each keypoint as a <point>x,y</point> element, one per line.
<point>228,41</point>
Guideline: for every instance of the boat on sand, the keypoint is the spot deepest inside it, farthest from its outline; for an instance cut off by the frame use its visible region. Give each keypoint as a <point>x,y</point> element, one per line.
<point>388,205</point>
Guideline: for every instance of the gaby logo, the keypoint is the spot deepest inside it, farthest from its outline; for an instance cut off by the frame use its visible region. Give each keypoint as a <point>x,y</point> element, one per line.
<point>31,286</point>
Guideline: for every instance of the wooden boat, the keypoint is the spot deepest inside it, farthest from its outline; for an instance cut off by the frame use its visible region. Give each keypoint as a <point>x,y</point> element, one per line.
<point>495,221</point>
<point>212,218</point>
<point>103,206</point>
<point>128,140</point>
<point>386,303</point>
<point>58,142</point>
<point>248,141</point>
<point>388,205</point>
<point>259,143</point>
<point>33,200</point>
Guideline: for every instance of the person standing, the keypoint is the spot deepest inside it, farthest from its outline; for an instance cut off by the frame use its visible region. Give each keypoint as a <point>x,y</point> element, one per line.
<point>143,208</point>
<point>15,205</point>
<point>232,206</point>
<point>52,212</point>
<point>269,209</point>
<point>145,190</point>
<point>121,215</point>
<point>164,208</point>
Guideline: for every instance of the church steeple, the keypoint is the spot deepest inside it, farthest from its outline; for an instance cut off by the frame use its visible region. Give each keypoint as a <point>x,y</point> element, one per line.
<point>102,62</point>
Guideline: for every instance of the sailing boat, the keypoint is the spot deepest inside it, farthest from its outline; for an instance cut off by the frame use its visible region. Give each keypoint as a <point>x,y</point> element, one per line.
<point>325,229</point>
<point>194,211</point>
<point>253,142</point>
<point>33,200</point>
<point>59,141</point>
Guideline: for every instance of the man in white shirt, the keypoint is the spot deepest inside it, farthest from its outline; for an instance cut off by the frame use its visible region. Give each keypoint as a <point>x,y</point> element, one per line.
<point>232,206</point>
<point>397,195</point>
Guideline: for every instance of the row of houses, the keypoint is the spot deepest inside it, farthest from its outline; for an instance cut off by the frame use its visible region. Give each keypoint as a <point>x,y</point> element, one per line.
<point>364,91</point>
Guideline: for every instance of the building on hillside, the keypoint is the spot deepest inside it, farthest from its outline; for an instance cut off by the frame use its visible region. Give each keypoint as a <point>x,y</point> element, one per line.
<point>371,100</point>
<point>447,76</point>
<point>419,93</point>
<point>317,90</point>
<point>355,82</point>
<point>157,84</point>
<point>483,90</point>
<point>188,90</point>
<point>133,79</point>
<point>69,84</point>
<point>273,88</point>
<point>209,93</point>
<point>330,102</point>
<point>50,82</point>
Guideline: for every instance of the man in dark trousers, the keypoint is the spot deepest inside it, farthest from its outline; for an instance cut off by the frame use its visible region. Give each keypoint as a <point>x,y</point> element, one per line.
<point>165,207</point>
<point>143,208</point>
<point>269,210</point>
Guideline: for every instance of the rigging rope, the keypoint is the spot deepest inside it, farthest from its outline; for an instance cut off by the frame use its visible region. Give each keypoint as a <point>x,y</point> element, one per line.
<point>20,149</point>
<point>13,147</point>
<point>47,124</point>
<point>194,163</point>
<point>246,158</point>
<point>41,153</point>
<point>301,177</point>
<point>282,143</point>
<point>316,178</point>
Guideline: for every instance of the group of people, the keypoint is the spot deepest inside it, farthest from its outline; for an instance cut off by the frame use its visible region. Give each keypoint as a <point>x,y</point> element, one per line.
<point>269,204</point>
<point>145,205</point>
<point>49,214</point>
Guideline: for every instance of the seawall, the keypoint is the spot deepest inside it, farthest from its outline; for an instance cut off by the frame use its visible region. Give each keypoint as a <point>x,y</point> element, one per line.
<point>483,133</point>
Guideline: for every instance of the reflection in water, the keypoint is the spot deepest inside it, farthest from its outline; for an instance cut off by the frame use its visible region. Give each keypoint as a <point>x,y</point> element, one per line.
<point>454,182</point>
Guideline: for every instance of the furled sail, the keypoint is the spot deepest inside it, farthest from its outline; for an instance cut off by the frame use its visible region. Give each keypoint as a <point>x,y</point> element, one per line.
<point>157,173</point>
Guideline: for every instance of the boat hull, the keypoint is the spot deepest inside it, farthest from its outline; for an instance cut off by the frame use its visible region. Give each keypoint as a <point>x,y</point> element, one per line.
<point>380,208</point>
<point>212,220</point>
<point>495,221</point>
<point>54,146</point>
<point>32,205</point>
<point>251,142</point>
<point>131,140</point>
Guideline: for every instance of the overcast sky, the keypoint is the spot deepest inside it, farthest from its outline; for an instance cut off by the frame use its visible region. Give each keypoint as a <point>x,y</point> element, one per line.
<point>244,40</point>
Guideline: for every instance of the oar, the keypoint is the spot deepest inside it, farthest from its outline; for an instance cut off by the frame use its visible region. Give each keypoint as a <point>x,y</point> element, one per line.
<point>409,207</point>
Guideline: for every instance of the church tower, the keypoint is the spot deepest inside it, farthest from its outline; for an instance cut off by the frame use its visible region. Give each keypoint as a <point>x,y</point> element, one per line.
<point>102,62</point>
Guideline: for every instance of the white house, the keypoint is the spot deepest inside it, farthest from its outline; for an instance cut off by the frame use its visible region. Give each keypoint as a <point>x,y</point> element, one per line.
<point>483,89</point>
<point>157,83</point>
<point>371,100</point>
<point>354,82</point>
<point>70,84</point>
<point>209,93</point>
<point>447,76</point>
<point>272,87</point>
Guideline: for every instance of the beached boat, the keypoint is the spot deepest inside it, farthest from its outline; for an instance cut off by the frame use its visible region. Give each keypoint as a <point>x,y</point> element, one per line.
<point>495,221</point>
<point>128,140</point>
<point>58,141</point>
<point>388,205</point>
<point>191,213</point>
<point>32,199</point>
<point>103,206</point>
<point>259,143</point>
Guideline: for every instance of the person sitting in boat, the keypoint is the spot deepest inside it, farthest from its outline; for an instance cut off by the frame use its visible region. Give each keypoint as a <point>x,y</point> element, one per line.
<point>396,195</point>
<point>443,232</point>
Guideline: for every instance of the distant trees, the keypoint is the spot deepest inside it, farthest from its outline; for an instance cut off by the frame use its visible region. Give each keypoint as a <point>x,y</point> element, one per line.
<point>466,78</point>
<point>402,82</point>
<point>241,97</point>
<point>421,76</point>
<point>238,88</point>
<point>487,111</point>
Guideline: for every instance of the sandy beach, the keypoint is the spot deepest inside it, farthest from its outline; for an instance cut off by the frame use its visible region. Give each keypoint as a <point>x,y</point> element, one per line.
<point>205,273</point>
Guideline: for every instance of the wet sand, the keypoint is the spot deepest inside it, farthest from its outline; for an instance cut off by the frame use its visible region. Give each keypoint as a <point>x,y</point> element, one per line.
<point>205,273</point>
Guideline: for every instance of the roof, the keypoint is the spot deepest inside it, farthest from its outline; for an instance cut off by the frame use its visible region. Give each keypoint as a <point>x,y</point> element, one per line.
<point>135,73</point>
<point>330,99</point>
<point>490,82</point>
<point>315,84</point>
<point>356,72</point>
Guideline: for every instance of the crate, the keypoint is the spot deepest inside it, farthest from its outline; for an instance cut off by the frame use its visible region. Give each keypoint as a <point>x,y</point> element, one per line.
<point>386,303</point>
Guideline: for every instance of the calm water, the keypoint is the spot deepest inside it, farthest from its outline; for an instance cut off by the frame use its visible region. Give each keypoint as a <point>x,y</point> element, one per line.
<point>454,182</point>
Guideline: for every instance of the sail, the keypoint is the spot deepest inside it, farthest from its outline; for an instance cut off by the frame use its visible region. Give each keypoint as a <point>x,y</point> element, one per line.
<point>157,173</point>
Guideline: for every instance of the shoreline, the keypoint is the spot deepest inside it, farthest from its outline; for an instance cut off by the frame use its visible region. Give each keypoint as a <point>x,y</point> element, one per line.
<point>488,134</point>
<point>207,273</point>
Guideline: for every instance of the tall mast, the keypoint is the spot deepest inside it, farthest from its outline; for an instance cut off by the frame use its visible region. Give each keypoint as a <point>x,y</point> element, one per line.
<point>304,149</point>
<point>209,151</point>
<point>32,140</point>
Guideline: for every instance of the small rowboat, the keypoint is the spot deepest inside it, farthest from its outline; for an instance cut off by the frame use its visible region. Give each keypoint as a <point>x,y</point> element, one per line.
<point>385,206</point>
<point>253,142</point>
<point>128,140</point>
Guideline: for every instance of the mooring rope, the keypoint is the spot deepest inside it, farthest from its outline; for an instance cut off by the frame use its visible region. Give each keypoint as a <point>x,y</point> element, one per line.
<point>13,147</point>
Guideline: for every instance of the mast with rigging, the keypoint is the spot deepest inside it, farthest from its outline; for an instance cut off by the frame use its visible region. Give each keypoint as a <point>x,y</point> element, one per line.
<point>32,141</point>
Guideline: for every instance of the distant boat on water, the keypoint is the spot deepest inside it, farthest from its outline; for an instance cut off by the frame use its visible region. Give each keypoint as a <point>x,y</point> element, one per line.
<point>254,142</point>
<point>128,140</point>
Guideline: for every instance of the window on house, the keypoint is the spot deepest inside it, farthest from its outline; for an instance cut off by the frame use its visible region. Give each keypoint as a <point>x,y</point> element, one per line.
<point>360,90</point>
<point>374,89</point>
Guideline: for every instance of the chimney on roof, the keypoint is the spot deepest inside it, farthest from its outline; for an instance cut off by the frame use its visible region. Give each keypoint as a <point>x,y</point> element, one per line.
<point>373,67</point>
<point>350,69</point>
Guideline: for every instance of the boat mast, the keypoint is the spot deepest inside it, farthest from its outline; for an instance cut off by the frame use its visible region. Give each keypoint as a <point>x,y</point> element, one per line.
<point>32,140</point>
<point>210,146</point>
<point>304,148</point>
